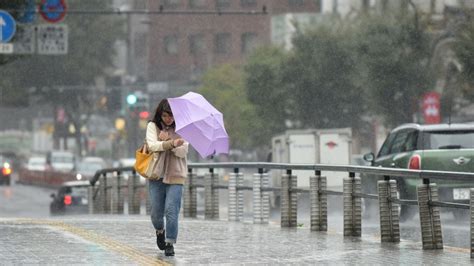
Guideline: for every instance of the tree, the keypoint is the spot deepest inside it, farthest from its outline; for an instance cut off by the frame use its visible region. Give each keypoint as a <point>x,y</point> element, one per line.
<point>224,88</point>
<point>266,90</point>
<point>319,77</point>
<point>464,49</point>
<point>67,80</point>
<point>393,53</point>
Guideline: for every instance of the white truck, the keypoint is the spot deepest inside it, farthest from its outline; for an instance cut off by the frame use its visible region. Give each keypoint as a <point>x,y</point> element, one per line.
<point>312,146</point>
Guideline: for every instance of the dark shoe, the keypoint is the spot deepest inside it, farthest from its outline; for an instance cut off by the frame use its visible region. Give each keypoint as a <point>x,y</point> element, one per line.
<point>169,249</point>
<point>160,240</point>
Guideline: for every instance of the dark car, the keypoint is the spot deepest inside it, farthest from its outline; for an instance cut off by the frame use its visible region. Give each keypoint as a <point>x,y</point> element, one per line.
<point>5,175</point>
<point>72,198</point>
<point>443,147</point>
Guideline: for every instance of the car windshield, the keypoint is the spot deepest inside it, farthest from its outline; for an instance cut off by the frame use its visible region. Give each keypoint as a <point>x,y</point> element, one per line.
<point>77,191</point>
<point>62,159</point>
<point>89,167</point>
<point>448,140</point>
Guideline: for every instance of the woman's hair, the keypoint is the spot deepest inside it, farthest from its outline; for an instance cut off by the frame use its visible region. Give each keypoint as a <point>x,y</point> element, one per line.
<point>163,107</point>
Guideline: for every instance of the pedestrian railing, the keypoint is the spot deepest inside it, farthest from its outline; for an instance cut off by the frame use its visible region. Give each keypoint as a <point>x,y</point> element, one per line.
<point>107,196</point>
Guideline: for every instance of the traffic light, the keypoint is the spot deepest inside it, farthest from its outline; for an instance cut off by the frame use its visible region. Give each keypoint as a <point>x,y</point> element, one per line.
<point>144,115</point>
<point>138,99</point>
<point>131,99</point>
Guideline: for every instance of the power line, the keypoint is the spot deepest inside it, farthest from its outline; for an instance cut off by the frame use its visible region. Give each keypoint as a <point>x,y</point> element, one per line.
<point>161,11</point>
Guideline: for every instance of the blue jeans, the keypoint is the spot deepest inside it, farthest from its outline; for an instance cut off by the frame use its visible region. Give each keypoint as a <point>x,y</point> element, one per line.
<point>165,202</point>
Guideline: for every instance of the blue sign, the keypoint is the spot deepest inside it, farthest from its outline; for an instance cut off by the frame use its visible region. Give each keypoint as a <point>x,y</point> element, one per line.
<point>29,15</point>
<point>7,26</point>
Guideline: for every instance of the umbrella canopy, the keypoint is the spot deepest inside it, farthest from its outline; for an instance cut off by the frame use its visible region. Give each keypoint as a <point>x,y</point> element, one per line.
<point>200,124</point>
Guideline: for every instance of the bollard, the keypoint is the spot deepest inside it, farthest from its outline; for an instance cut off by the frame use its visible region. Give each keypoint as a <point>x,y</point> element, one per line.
<point>115,195</point>
<point>104,207</point>
<point>289,200</point>
<point>472,222</point>
<point>90,199</point>
<point>132,191</point>
<point>146,194</point>
<point>261,204</point>
<point>233,196</point>
<point>190,197</point>
<point>389,215</point>
<point>211,196</point>
<point>319,202</point>
<point>430,220</point>
<point>352,206</point>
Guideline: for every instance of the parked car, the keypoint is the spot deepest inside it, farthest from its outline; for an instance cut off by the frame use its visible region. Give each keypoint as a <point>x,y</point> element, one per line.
<point>62,161</point>
<point>443,147</point>
<point>89,166</point>
<point>36,163</point>
<point>7,170</point>
<point>71,198</point>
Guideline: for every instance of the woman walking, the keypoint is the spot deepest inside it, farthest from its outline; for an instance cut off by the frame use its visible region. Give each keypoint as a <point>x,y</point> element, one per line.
<point>167,186</point>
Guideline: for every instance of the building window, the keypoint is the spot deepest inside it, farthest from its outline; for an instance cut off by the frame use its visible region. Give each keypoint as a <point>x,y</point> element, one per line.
<point>140,40</point>
<point>295,3</point>
<point>170,3</point>
<point>249,42</point>
<point>222,43</point>
<point>171,44</point>
<point>197,3</point>
<point>247,3</point>
<point>141,4</point>
<point>222,3</point>
<point>196,44</point>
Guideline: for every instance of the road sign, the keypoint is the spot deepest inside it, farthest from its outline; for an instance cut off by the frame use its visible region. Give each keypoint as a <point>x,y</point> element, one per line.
<point>52,39</point>
<point>6,48</point>
<point>29,14</point>
<point>53,10</point>
<point>7,26</point>
<point>431,108</point>
<point>25,40</point>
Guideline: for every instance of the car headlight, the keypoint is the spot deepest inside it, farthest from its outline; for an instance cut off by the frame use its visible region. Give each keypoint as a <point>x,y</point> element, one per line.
<point>78,176</point>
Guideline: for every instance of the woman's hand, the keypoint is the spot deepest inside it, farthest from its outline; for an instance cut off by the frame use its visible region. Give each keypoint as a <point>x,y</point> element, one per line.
<point>163,135</point>
<point>178,142</point>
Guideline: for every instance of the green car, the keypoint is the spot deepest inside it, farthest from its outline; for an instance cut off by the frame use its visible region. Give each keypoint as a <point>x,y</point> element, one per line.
<point>439,147</point>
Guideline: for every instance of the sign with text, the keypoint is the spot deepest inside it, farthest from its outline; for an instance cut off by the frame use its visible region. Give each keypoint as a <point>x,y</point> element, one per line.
<point>6,48</point>
<point>52,39</point>
<point>25,40</point>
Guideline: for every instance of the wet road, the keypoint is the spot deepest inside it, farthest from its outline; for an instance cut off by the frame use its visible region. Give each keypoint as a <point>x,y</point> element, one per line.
<point>31,202</point>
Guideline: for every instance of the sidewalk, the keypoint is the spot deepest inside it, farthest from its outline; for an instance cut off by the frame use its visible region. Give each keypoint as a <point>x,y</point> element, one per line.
<point>120,239</point>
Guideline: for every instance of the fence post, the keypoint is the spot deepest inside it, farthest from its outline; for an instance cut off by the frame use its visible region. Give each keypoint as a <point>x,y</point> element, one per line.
<point>289,200</point>
<point>234,196</point>
<point>114,194</point>
<point>319,202</point>
<point>133,195</point>
<point>261,204</point>
<point>146,193</point>
<point>212,196</point>
<point>389,215</point>
<point>104,199</point>
<point>472,222</point>
<point>190,200</point>
<point>91,200</point>
<point>430,220</point>
<point>352,206</point>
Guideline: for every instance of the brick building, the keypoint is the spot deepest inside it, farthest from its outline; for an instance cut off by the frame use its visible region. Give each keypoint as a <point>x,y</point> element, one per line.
<point>182,46</point>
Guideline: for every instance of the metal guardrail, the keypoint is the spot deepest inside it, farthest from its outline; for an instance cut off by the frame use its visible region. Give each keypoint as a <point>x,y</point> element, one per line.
<point>427,196</point>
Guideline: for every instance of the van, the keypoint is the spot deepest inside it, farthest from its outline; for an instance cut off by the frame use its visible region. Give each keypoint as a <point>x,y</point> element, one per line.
<point>61,161</point>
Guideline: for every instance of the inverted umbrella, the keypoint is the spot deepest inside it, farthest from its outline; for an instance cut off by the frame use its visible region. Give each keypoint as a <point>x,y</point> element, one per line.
<point>200,124</point>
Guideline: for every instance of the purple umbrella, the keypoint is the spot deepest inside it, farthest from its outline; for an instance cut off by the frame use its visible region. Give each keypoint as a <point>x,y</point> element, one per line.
<point>200,123</point>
